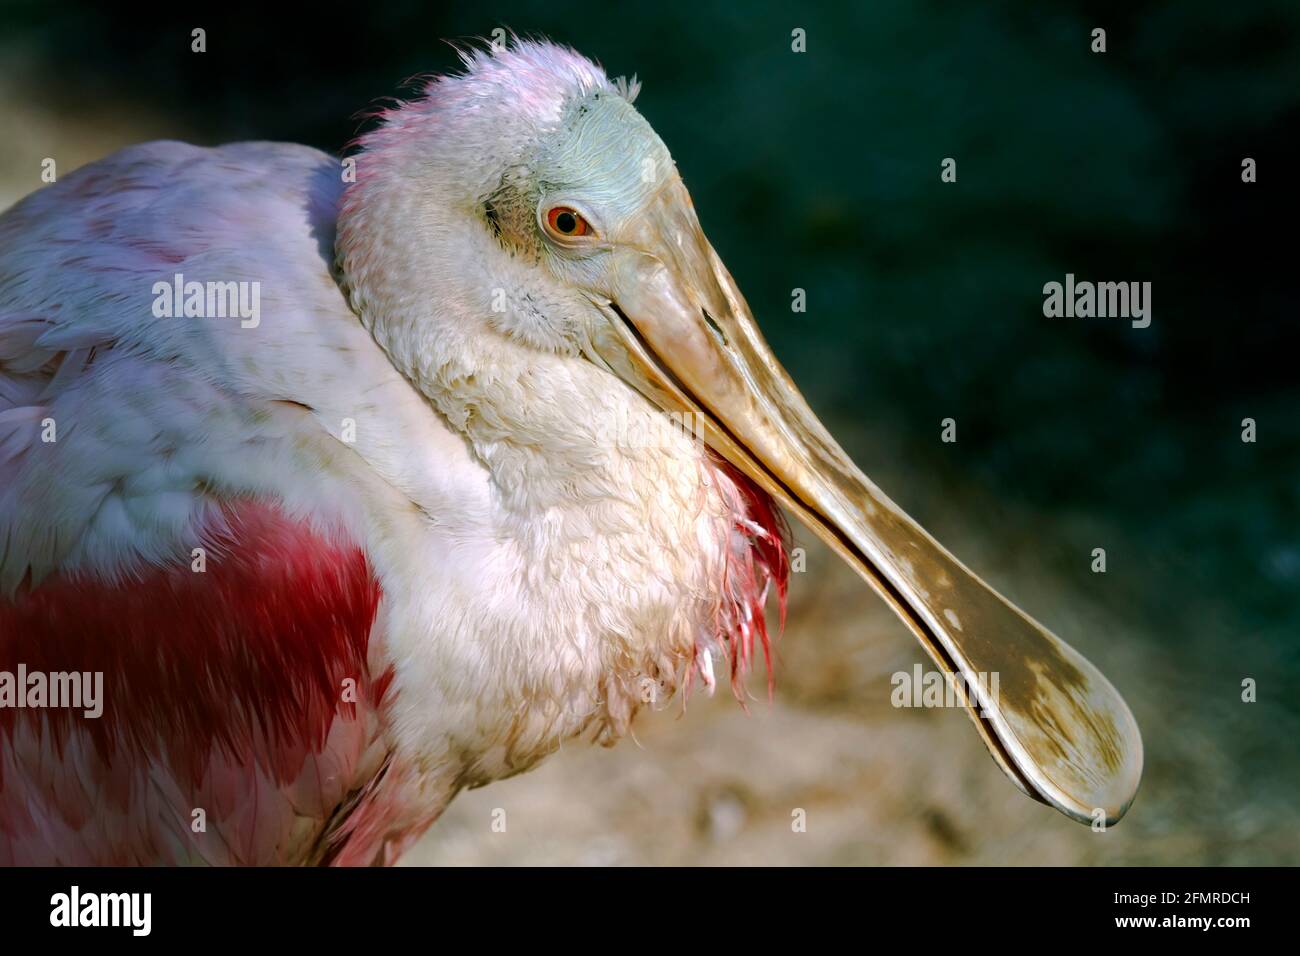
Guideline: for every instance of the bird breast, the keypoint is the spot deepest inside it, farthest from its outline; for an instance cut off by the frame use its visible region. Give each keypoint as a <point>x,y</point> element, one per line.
<point>623,572</point>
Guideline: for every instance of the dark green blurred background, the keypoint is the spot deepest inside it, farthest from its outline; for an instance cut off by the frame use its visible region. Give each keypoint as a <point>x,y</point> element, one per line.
<point>821,171</point>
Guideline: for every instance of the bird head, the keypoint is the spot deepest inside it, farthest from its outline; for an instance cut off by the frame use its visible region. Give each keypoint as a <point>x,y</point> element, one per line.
<point>532,188</point>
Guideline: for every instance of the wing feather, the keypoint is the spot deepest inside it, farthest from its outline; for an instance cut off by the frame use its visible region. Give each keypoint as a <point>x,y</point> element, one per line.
<point>246,691</point>
<point>249,694</point>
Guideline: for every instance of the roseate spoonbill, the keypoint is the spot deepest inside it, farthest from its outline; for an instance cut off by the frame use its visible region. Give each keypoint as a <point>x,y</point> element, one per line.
<point>377,542</point>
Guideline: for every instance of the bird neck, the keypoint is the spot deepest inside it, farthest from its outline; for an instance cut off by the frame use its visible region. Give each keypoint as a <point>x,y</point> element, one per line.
<point>562,437</point>
<point>622,530</point>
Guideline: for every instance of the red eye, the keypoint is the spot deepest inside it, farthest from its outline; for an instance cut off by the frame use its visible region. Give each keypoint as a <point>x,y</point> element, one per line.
<point>567,222</point>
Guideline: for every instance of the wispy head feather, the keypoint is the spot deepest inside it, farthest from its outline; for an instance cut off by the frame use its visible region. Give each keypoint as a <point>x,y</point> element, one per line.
<point>628,89</point>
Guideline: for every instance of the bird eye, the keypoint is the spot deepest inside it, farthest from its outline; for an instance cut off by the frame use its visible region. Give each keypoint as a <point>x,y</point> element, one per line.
<point>567,222</point>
